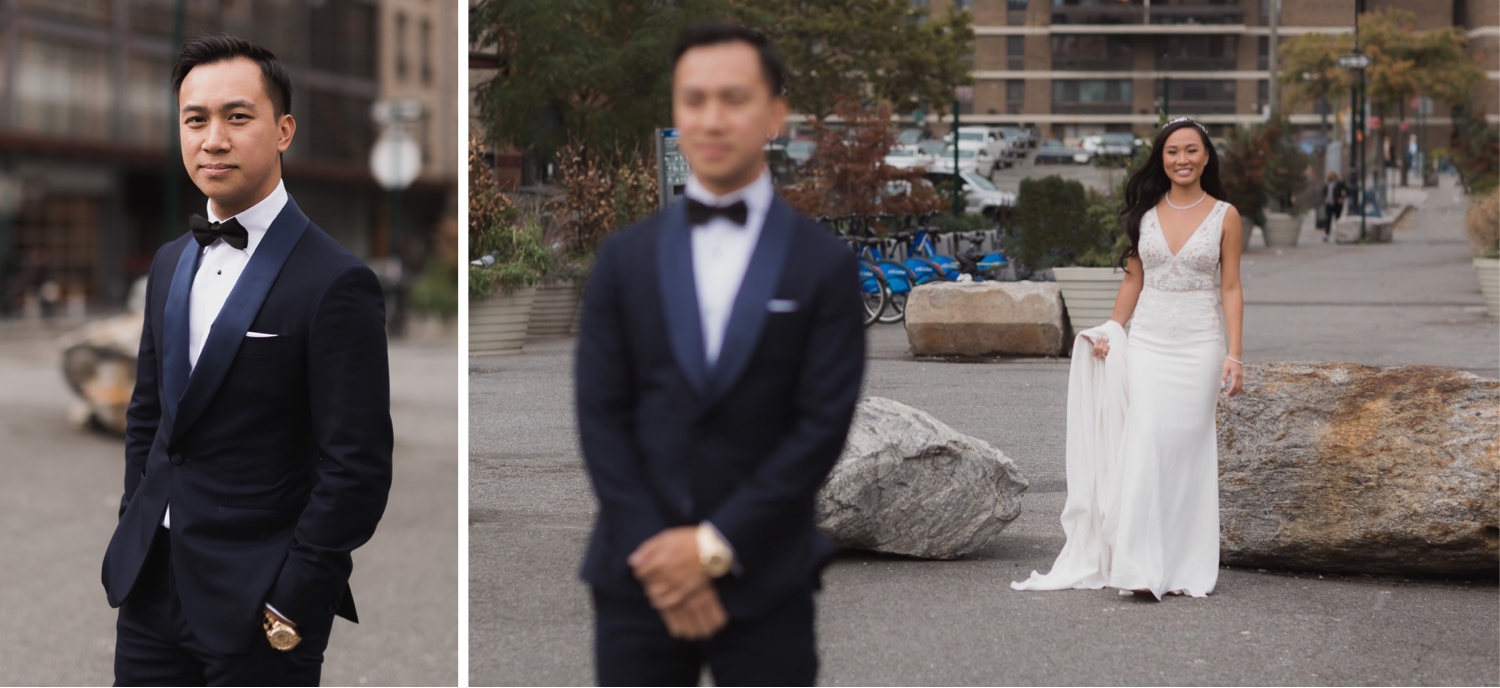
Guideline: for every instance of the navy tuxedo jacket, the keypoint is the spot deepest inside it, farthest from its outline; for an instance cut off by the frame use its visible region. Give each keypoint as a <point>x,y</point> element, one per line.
<point>274,452</point>
<point>745,444</point>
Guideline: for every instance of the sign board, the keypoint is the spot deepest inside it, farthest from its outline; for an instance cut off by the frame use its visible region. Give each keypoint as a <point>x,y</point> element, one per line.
<point>671,168</point>
<point>1355,61</point>
<point>396,160</point>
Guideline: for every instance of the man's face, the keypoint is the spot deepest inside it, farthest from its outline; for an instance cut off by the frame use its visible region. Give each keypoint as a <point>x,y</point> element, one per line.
<point>724,111</point>
<point>231,136</point>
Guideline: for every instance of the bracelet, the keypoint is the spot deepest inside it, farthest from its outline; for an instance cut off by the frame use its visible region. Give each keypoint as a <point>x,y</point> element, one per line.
<point>1236,360</point>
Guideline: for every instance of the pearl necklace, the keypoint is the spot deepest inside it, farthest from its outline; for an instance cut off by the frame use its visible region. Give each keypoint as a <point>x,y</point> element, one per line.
<point>1168,199</point>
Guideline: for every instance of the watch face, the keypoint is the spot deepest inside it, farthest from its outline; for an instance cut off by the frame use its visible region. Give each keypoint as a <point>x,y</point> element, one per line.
<point>283,639</point>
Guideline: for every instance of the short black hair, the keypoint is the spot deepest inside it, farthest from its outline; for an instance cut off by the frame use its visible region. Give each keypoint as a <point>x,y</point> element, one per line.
<point>699,34</point>
<point>206,50</point>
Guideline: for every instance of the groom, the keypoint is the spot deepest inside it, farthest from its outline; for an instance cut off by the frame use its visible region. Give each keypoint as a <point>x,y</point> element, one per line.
<point>258,447</point>
<point>718,366</point>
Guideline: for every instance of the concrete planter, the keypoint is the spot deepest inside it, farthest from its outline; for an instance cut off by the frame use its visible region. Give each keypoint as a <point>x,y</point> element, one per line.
<point>498,324</point>
<point>555,310</point>
<point>1088,294</point>
<point>1488,271</point>
<point>1282,230</point>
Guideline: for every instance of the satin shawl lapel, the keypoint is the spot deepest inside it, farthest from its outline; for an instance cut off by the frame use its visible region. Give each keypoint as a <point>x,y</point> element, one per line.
<point>175,366</point>
<point>239,310</point>
<point>679,294</point>
<point>748,317</point>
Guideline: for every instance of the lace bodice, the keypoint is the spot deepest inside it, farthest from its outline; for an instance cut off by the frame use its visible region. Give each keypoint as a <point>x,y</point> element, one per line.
<point>1195,266</point>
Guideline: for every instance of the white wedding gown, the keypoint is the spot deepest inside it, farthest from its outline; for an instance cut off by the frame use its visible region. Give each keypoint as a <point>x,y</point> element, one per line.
<point>1142,453</point>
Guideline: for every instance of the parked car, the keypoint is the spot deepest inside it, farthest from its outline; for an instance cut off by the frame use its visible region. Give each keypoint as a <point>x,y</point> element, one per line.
<point>801,150</point>
<point>1052,151</point>
<point>980,194</point>
<point>981,137</point>
<point>907,157</point>
<point>972,159</point>
<point>908,137</point>
<point>1020,138</point>
<point>1114,144</point>
<point>931,147</point>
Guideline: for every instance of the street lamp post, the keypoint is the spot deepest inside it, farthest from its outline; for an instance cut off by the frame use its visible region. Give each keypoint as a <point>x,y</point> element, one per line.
<point>957,180</point>
<point>1359,9</point>
<point>395,162</point>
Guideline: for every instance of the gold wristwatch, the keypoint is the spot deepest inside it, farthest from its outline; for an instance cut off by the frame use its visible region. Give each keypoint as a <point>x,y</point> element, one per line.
<point>281,633</point>
<point>713,554</point>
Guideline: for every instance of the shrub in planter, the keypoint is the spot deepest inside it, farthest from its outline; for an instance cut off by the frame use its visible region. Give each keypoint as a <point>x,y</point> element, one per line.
<point>1484,226</point>
<point>1052,225</point>
<point>1484,244</point>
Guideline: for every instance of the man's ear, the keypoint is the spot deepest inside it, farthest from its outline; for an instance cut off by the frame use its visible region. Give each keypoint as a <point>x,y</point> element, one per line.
<point>286,129</point>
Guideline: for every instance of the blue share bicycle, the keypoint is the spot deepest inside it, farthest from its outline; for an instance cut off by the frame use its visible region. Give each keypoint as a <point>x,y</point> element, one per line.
<point>874,290</point>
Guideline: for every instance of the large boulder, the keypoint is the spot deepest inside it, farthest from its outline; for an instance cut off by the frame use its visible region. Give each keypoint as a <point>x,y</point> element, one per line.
<point>908,484</point>
<point>1350,468</point>
<point>986,319</point>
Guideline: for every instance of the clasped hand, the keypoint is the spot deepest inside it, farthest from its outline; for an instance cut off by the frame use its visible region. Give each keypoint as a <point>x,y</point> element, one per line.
<point>668,568</point>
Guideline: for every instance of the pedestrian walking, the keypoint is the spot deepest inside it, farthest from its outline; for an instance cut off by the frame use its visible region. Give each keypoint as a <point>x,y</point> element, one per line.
<point>1334,193</point>
<point>719,362</point>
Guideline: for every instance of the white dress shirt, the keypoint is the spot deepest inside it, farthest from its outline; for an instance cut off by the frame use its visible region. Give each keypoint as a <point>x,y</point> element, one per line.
<point>218,271</point>
<point>721,254</point>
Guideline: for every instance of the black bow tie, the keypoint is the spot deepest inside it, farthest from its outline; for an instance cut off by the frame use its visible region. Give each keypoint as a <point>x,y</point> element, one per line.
<point>701,213</point>
<point>229,230</point>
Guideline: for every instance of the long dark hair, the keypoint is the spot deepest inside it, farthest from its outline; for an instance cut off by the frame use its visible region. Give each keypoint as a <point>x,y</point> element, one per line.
<point>1149,182</point>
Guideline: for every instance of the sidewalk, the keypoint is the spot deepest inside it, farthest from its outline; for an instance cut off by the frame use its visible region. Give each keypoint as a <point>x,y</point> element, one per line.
<point>59,501</point>
<point>1414,300</point>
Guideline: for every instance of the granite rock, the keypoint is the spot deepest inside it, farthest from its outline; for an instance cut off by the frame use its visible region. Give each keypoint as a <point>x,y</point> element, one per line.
<point>986,319</point>
<point>1349,468</point>
<point>908,484</point>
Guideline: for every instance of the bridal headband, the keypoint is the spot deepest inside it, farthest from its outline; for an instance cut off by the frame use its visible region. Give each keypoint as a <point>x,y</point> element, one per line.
<point>1189,120</point>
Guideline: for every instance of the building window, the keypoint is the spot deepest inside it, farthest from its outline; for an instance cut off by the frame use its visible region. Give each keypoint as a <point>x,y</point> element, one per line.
<point>94,12</point>
<point>1199,96</point>
<point>1195,53</point>
<point>1017,5</point>
<point>1015,96</point>
<point>963,5</point>
<point>340,129</point>
<point>1263,52</point>
<point>1082,96</point>
<point>62,88</point>
<point>1091,52</point>
<point>426,52</point>
<point>1015,52</point>
<point>1097,12</point>
<point>401,46</point>
<point>345,40</point>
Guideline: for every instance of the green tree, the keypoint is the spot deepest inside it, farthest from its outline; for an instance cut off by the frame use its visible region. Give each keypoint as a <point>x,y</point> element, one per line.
<point>886,51</point>
<point>587,71</point>
<point>1404,64</point>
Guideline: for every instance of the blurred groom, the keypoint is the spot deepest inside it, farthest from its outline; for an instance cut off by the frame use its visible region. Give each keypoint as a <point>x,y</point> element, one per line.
<point>718,366</point>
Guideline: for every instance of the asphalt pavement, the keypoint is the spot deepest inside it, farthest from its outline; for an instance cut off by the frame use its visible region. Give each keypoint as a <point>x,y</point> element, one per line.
<point>895,621</point>
<point>61,491</point>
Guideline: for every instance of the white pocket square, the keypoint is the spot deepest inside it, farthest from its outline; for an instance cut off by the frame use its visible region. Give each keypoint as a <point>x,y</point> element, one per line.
<point>782,306</point>
<point>258,335</point>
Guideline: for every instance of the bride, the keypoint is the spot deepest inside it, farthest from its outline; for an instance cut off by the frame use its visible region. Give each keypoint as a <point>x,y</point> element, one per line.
<point>1142,511</point>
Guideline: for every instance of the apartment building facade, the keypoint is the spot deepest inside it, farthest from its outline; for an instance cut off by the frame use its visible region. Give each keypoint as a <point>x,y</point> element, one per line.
<point>1077,67</point>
